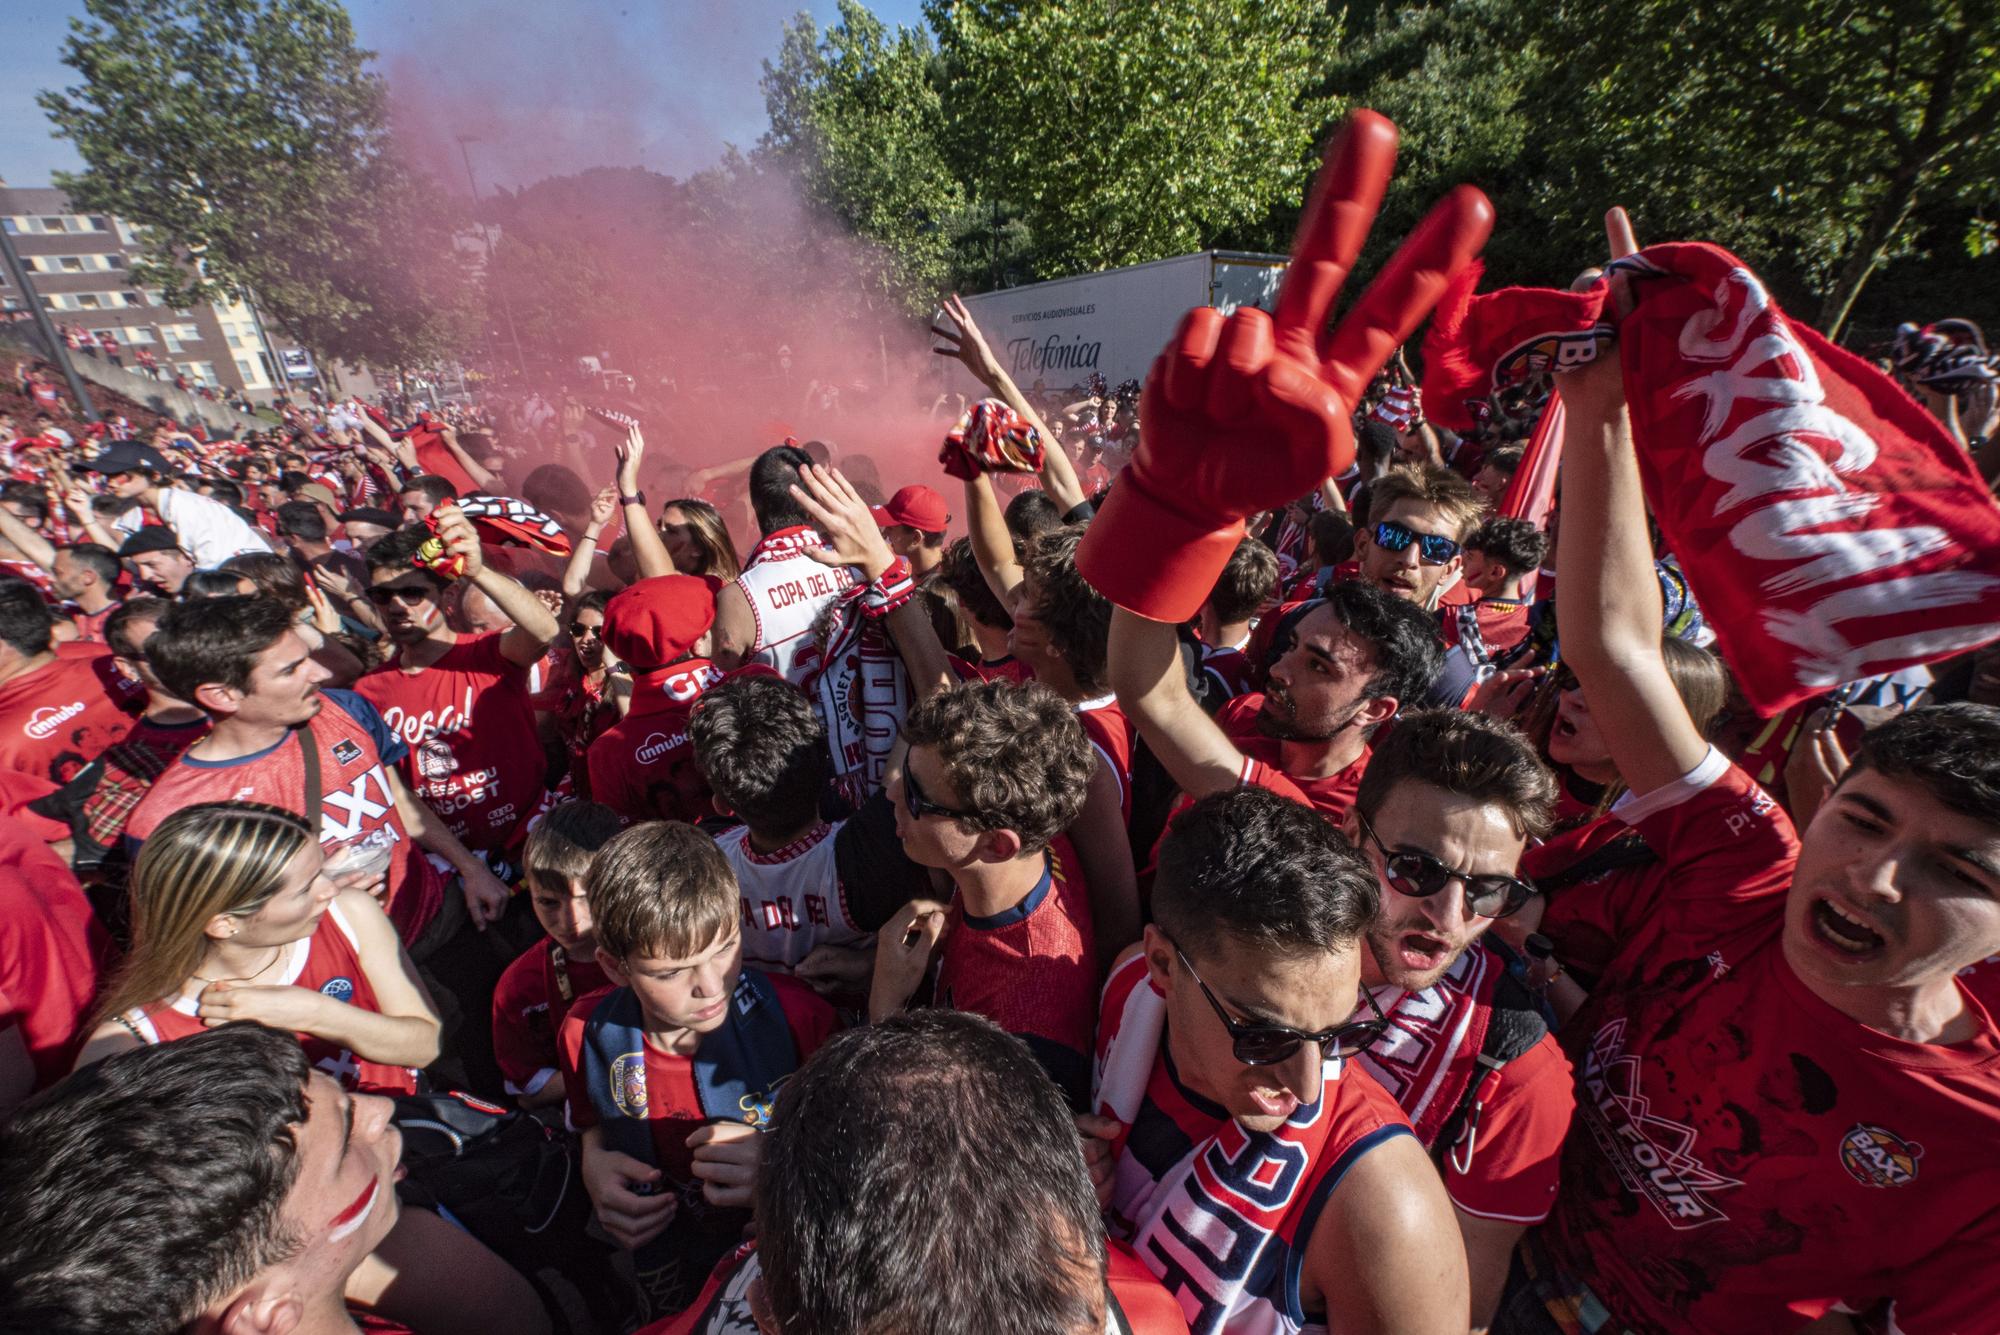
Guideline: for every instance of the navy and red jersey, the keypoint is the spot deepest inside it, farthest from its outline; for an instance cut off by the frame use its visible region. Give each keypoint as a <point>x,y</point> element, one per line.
<point>673,1103</point>
<point>530,1002</point>
<point>474,756</point>
<point>327,962</point>
<point>356,750</point>
<point>1749,1157</point>
<point>1032,970</point>
<point>52,948</point>
<point>57,718</point>
<point>643,767</point>
<point>1138,1302</point>
<point>1506,1169</point>
<point>1221,1215</point>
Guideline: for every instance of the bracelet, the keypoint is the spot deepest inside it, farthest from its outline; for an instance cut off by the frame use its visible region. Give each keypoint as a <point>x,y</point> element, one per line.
<point>637,498</point>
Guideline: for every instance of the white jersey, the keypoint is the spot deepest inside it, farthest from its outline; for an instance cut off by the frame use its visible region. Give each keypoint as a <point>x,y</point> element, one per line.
<point>786,590</point>
<point>792,899</point>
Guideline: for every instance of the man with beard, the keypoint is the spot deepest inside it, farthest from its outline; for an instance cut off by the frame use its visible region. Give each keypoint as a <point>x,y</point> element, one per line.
<point>1353,659</point>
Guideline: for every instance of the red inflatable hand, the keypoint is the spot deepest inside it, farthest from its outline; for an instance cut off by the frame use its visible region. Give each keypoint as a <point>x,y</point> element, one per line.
<point>1246,413</point>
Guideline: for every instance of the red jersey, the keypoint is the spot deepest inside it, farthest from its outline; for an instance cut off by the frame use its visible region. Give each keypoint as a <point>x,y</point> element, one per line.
<point>1031,969</point>
<point>355,749</point>
<point>1332,796</point>
<point>723,1305</point>
<point>1489,628</point>
<point>327,962</point>
<point>51,948</point>
<point>1004,668</point>
<point>57,718</point>
<point>1600,884</point>
<point>1113,737</point>
<point>643,766</point>
<point>89,625</point>
<point>1507,1168</point>
<point>673,1103</point>
<point>18,791</point>
<point>530,1002</point>
<point>1753,1156</point>
<point>474,756</point>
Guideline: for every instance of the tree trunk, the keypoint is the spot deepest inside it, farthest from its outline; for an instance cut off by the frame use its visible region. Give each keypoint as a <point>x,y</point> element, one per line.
<point>1884,222</point>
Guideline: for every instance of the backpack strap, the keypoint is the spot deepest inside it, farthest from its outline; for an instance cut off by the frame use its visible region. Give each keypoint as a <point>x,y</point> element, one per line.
<point>309,750</point>
<point>1627,850</point>
<point>1519,1021</point>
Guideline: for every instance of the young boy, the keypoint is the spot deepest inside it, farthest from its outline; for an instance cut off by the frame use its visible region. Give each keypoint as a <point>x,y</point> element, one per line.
<point>537,989</point>
<point>671,1072</point>
<point>995,773</point>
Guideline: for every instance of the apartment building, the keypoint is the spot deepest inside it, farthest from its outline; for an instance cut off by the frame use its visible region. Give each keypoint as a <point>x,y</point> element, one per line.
<point>80,263</point>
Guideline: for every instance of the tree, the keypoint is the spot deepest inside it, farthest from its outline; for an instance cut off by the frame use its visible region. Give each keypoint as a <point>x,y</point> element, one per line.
<point>855,114</point>
<point>247,139</point>
<point>1127,132</point>
<point>1812,130</point>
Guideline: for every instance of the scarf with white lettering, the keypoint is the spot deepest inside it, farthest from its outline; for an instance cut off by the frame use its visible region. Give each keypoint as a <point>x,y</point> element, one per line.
<point>1828,525</point>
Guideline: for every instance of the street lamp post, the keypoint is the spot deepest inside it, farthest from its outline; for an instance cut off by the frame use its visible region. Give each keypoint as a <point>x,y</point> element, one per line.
<point>506,305</point>
<point>58,350</point>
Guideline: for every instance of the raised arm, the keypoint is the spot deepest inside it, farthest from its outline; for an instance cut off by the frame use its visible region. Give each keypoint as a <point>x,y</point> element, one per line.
<point>969,347</point>
<point>534,626</point>
<point>649,550</point>
<point>32,544</point>
<point>992,544</point>
<point>1146,672</point>
<point>576,575</point>
<point>475,470</point>
<point>1608,597</point>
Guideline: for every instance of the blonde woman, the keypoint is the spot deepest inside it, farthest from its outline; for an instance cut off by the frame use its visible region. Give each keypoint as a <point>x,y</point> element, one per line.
<point>234,918</point>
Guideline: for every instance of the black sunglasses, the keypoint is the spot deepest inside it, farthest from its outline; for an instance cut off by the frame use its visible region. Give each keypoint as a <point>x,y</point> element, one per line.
<point>408,594</point>
<point>1432,549</point>
<point>579,631</point>
<point>921,806</point>
<point>1262,1043</point>
<point>1419,875</point>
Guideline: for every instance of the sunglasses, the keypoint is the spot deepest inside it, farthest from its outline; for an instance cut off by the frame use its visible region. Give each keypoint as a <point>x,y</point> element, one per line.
<point>1419,875</point>
<point>1432,549</point>
<point>921,806</point>
<point>579,631</point>
<point>1261,1043</point>
<point>409,595</point>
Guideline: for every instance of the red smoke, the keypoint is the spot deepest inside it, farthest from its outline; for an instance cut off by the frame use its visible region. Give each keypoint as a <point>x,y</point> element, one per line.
<point>743,313</point>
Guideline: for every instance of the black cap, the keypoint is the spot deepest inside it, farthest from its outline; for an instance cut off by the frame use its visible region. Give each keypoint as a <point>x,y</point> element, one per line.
<point>152,538</point>
<point>369,514</point>
<point>128,456</point>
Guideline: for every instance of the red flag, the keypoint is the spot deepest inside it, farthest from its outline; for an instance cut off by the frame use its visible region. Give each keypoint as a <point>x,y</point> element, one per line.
<point>1828,525</point>
<point>433,457</point>
<point>1531,492</point>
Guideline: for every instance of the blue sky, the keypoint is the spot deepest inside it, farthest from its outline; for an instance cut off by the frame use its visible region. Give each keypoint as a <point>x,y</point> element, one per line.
<point>543,85</point>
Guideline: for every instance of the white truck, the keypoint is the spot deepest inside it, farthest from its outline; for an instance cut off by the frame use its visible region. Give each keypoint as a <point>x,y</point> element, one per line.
<point>1112,323</point>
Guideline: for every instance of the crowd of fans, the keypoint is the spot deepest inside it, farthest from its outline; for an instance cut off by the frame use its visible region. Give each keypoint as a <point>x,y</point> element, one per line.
<point>446,888</point>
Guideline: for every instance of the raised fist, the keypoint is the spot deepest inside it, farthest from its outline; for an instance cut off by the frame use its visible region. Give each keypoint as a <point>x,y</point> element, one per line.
<point>1245,413</point>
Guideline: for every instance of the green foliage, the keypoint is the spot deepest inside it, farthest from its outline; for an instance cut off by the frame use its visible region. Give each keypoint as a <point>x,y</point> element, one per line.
<point>1126,131</point>
<point>247,139</point>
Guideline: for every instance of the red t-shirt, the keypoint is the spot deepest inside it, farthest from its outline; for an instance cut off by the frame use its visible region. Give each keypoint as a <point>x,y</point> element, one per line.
<point>1502,625</point>
<point>1008,668</point>
<point>17,790</point>
<point>59,717</point>
<point>51,949</point>
<point>1749,1156</point>
<point>1333,795</point>
<point>474,756</point>
<point>673,1103</point>
<point>89,625</point>
<point>1032,970</point>
<point>643,766</point>
<point>1508,1169</point>
<point>1590,916</point>
<point>530,1002</point>
<point>355,749</point>
<point>327,962</point>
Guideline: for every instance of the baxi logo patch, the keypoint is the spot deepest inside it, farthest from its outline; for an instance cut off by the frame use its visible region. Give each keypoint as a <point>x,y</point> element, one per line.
<point>1877,1157</point>
<point>340,989</point>
<point>1653,1156</point>
<point>628,1084</point>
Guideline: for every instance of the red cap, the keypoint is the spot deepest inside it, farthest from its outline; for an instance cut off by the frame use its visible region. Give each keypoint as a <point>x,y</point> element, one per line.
<point>916,506</point>
<point>656,621</point>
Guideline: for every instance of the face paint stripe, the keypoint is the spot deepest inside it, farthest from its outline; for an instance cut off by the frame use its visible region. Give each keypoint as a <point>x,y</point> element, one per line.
<point>355,1215</point>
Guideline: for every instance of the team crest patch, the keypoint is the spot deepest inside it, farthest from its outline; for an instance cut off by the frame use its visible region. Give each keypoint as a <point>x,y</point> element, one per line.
<point>346,751</point>
<point>1878,1157</point>
<point>628,1084</point>
<point>340,989</point>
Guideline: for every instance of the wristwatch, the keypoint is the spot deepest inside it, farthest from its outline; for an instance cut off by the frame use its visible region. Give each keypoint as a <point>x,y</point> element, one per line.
<point>637,498</point>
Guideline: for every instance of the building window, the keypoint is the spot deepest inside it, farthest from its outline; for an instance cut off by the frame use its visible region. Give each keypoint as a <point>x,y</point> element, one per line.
<point>12,225</point>
<point>54,225</point>
<point>86,301</point>
<point>70,263</point>
<point>137,333</point>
